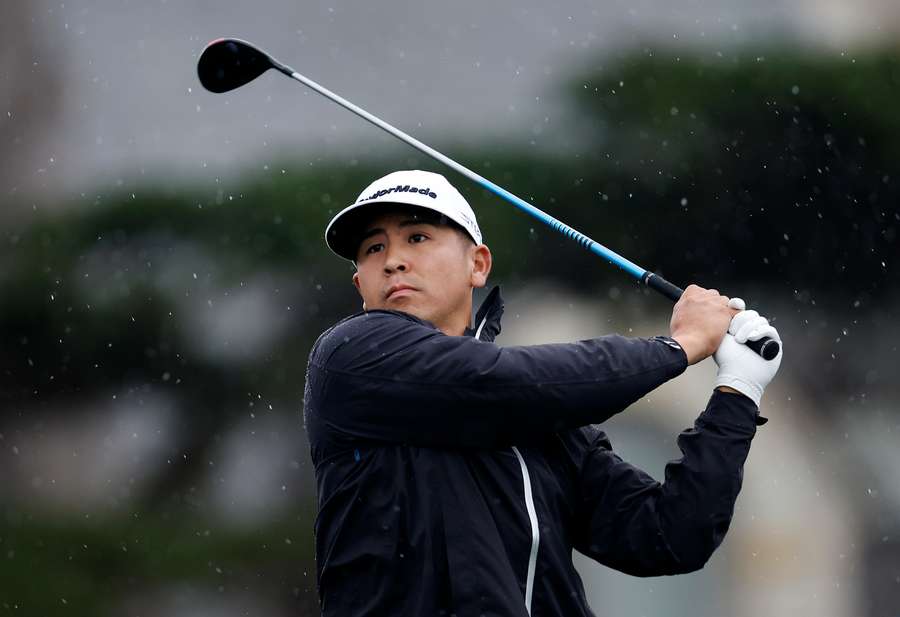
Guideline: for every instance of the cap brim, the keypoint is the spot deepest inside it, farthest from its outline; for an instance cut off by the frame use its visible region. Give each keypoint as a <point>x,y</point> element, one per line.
<point>345,231</point>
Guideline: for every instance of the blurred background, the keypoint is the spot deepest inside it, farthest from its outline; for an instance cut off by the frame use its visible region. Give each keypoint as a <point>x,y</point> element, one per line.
<point>163,274</point>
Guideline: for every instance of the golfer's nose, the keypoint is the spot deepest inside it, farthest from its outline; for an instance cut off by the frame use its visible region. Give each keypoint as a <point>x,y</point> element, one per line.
<point>391,267</point>
<point>395,260</point>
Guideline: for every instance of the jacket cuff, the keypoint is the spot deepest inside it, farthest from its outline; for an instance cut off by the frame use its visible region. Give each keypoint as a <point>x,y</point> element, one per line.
<point>733,409</point>
<point>671,343</point>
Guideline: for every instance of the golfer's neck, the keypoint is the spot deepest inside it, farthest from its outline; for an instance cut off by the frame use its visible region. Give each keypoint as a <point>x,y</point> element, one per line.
<point>456,323</point>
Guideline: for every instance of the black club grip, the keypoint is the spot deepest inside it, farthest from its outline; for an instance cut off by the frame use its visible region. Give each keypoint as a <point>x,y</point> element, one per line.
<point>766,347</point>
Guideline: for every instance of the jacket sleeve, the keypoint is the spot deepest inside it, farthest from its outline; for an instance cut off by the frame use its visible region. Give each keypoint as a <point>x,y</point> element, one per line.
<point>388,377</point>
<point>628,521</point>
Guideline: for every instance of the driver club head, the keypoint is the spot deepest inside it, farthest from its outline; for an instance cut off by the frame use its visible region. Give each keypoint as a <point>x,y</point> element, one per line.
<point>226,64</point>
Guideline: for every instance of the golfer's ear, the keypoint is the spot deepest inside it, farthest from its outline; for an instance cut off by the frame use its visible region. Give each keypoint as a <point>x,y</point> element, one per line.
<point>356,282</point>
<point>481,265</point>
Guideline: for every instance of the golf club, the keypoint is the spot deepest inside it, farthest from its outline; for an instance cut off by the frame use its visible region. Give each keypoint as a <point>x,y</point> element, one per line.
<point>226,64</point>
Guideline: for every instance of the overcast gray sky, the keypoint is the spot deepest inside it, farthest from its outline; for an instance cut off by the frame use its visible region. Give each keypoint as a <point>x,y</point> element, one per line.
<point>447,72</point>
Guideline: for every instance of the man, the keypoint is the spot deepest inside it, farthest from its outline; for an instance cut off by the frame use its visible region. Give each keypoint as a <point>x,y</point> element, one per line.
<point>455,476</point>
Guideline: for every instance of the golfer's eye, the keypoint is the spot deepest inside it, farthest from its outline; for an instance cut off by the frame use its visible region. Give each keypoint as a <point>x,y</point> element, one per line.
<point>415,238</point>
<point>374,248</point>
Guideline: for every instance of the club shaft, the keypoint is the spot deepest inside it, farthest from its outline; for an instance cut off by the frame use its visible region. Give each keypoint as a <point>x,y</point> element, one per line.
<point>767,348</point>
<point>586,242</point>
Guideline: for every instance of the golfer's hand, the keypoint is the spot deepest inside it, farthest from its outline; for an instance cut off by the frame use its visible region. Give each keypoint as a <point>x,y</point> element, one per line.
<point>740,368</point>
<point>700,320</point>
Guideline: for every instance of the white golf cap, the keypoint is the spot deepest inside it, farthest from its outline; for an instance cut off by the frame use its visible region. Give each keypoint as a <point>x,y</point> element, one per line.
<point>412,187</point>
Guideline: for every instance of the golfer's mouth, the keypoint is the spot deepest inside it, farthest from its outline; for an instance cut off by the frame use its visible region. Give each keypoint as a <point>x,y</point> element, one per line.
<point>398,291</point>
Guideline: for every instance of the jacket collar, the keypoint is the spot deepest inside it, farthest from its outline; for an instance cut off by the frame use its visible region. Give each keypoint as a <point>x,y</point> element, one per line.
<point>487,319</point>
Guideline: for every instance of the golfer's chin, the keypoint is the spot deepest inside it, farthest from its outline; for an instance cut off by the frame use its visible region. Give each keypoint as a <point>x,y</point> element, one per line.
<point>409,303</point>
<point>403,301</point>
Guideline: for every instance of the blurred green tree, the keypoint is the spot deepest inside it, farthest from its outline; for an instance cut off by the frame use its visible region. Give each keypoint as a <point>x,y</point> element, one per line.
<point>737,169</point>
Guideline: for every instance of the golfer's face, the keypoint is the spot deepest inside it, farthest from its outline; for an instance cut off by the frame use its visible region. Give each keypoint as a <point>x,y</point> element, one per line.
<point>419,268</point>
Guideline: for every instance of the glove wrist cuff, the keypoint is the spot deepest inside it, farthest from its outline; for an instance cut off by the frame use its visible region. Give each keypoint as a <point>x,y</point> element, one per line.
<point>753,391</point>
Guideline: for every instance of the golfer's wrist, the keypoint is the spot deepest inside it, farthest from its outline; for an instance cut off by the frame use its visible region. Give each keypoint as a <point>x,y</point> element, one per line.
<point>694,348</point>
<point>728,389</point>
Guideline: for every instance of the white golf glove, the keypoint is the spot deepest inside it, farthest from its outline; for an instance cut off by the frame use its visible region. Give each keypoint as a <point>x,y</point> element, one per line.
<point>739,366</point>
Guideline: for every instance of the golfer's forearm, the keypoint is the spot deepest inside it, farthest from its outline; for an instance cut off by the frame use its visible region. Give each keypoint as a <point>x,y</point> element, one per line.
<point>671,527</point>
<point>700,489</point>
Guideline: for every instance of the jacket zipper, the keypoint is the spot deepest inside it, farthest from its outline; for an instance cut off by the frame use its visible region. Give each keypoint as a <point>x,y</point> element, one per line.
<point>535,532</point>
<point>480,327</point>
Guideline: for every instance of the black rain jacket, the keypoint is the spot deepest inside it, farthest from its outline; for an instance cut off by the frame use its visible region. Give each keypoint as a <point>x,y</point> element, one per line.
<point>455,476</point>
